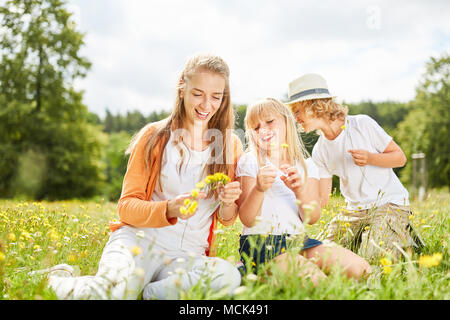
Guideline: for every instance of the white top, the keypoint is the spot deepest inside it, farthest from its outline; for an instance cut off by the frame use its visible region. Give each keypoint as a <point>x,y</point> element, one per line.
<point>170,239</point>
<point>365,186</point>
<point>279,212</point>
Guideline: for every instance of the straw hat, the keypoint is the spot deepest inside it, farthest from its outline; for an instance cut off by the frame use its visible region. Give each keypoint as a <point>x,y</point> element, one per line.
<point>307,87</point>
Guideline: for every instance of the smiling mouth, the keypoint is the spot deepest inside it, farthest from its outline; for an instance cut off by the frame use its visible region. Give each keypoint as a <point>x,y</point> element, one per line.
<point>202,115</point>
<point>267,138</point>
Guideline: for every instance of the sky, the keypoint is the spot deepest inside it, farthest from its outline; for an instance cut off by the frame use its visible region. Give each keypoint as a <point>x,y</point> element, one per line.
<point>365,50</point>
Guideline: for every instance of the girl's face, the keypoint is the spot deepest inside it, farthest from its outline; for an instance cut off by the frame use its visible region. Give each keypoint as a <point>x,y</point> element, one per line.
<point>270,131</point>
<point>308,123</point>
<point>203,94</point>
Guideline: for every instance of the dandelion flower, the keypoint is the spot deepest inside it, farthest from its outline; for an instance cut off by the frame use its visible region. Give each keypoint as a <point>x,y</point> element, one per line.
<point>200,185</point>
<point>194,193</point>
<point>187,202</point>
<point>343,127</point>
<point>285,145</point>
<point>387,270</point>
<point>136,250</point>
<point>11,237</point>
<point>183,210</point>
<point>385,262</point>
<point>430,261</point>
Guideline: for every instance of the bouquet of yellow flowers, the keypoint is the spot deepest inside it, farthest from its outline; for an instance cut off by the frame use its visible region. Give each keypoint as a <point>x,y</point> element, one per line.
<point>211,182</point>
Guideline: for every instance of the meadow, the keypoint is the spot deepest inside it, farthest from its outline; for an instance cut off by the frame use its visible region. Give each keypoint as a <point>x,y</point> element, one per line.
<point>36,235</point>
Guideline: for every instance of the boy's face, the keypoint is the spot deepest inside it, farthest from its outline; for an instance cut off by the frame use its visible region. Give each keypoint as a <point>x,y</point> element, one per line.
<point>308,123</point>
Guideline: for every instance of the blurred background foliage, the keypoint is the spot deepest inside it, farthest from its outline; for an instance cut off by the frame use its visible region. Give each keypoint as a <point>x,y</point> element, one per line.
<point>52,147</point>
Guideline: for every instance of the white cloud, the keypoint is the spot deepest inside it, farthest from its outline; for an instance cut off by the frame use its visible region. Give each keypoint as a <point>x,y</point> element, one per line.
<point>366,50</point>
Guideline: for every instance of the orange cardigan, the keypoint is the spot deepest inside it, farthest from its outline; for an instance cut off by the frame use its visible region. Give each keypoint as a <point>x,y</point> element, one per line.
<point>135,206</point>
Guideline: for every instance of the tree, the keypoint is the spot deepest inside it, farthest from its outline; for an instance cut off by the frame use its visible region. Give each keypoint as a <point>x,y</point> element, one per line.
<point>40,60</point>
<point>426,127</point>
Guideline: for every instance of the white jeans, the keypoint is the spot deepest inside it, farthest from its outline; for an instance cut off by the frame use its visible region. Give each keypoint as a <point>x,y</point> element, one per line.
<point>130,262</point>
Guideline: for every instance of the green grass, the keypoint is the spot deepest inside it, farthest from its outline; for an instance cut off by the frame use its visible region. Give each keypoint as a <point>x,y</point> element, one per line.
<point>38,235</point>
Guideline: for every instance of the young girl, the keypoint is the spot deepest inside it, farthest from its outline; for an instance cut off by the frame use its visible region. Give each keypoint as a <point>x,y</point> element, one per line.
<point>362,155</point>
<point>154,244</point>
<point>275,177</point>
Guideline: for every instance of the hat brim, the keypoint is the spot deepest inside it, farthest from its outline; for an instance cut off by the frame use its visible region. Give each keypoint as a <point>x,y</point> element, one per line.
<point>311,97</point>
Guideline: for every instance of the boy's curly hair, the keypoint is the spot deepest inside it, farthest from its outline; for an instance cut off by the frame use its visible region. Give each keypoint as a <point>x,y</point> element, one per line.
<point>325,108</point>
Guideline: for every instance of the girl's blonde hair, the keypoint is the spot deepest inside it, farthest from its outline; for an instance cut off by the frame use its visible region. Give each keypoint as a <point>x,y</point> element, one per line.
<point>261,110</point>
<point>325,108</point>
<point>223,120</point>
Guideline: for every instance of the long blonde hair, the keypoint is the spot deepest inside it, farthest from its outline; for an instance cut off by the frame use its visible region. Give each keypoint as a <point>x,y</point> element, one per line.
<point>222,120</point>
<point>295,151</point>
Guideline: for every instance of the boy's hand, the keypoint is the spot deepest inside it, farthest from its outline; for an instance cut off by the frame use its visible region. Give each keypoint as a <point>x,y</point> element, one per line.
<point>360,157</point>
<point>292,178</point>
<point>265,178</point>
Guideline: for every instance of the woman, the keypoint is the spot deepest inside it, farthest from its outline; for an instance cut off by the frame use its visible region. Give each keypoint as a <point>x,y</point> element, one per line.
<point>154,243</point>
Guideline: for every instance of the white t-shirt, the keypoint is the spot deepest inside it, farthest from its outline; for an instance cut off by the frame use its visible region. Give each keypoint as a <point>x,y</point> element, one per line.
<point>279,212</point>
<point>365,186</point>
<point>189,235</point>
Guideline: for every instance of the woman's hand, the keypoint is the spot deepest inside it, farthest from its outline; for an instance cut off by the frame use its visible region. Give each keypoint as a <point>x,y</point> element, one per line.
<point>265,178</point>
<point>229,193</point>
<point>292,179</point>
<point>174,205</point>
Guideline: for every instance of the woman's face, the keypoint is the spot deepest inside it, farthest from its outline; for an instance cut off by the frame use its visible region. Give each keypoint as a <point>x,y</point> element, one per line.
<point>203,94</point>
<point>270,131</point>
<point>308,123</point>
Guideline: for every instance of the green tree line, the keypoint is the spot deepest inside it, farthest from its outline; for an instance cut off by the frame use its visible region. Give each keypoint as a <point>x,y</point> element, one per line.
<point>52,147</point>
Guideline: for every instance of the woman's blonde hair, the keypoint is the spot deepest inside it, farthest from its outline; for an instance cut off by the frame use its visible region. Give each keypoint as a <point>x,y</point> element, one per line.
<point>295,152</point>
<point>325,108</point>
<point>223,120</point>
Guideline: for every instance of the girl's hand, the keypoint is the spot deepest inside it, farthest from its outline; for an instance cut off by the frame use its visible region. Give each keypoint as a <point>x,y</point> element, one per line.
<point>229,193</point>
<point>292,179</point>
<point>265,178</point>
<point>174,205</point>
<point>360,157</point>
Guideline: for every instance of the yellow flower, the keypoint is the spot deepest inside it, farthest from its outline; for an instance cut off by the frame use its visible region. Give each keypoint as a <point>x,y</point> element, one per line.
<point>380,243</point>
<point>11,237</point>
<point>72,258</point>
<point>200,185</point>
<point>367,228</point>
<point>387,270</point>
<point>285,145</point>
<point>192,207</point>
<point>209,179</point>
<point>183,210</point>
<point>2,256</point>
<point>136,250</point>
<point>385,262</point>
<point>187,202</point>
<point>283,250</point>
<point>343,127</point>
<point>430,261</point>
<point>194,193</point>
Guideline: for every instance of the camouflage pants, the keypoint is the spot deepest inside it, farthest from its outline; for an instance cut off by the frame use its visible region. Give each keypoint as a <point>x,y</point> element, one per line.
<point>373,231</point>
